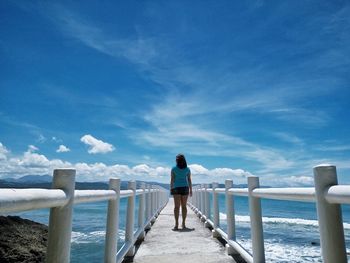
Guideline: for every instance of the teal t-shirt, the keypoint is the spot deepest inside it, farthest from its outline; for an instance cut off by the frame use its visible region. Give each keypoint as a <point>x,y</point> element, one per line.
<point>180,179</point>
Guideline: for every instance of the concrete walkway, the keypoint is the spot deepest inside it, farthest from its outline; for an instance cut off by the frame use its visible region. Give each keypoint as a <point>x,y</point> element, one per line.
<point>163,245</point>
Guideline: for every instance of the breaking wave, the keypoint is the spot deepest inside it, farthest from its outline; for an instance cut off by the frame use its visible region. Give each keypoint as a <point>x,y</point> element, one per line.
<point>280,220</point>
<point>95,236</point>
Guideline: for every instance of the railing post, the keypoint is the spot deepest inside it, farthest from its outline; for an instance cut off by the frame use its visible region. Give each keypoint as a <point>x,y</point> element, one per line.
<point>154,209</point>
<point>329,216</point>
<point>193,198</point>
<point>216,214</point>
<point>198,198</point>
<point>203,203</point>
<point>256,222</point>
<point>205,211</point>
<point>141,217</point>
<point>207,205</point>
<point>155,200</point>
<point>60,222</point>
<point>112,223</point>
<point>230,215</point>
<point>196,202</point>
<point>148,206</point>
<point>158,200</point>
<point>200,203</point>
<point>129,228</point>
<point>231,226</point>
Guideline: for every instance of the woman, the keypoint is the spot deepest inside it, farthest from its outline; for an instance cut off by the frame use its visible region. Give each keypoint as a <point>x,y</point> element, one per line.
<point>181,186</point>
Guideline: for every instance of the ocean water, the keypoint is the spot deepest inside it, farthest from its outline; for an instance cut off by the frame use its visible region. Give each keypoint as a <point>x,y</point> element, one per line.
<point>88,230</point>
<point>290,229</point>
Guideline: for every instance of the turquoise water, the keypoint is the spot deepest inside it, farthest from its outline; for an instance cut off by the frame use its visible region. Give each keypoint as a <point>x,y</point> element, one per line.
<point>89,224</point>
<point>290,229</point>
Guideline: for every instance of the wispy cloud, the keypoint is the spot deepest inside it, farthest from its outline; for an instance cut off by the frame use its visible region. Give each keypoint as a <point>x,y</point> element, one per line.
<point>32,128</point>
<point>137,50</point>
<point>287,137</point>
<point>41,138</point>
<point>151,57</point>
<point>333,148</point>
<point>197,99</point>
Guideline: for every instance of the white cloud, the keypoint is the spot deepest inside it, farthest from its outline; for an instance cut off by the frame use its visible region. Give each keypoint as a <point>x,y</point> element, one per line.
<point>32,162</point>
<point>201,174</point>
<point>197,169</point>
<point>296,181</point>
<point>3,152</point>
<point>62,149</point>
<point>301,180</point>
<point>32,159</point>
<point>96,146</point>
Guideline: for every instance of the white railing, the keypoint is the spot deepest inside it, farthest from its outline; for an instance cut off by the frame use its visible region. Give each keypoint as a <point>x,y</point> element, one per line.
<point>62,198</point>
<point>327,194</point>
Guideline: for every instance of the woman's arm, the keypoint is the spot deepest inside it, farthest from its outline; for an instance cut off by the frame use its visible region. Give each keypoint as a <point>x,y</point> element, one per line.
<point>190,182</point>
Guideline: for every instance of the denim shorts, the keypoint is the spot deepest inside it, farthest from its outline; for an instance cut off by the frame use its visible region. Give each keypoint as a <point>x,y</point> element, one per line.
<point>180,191</point>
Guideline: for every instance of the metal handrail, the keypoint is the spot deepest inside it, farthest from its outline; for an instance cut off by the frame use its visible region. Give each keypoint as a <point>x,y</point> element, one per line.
<point>62,198</point>
<point>326,194</point>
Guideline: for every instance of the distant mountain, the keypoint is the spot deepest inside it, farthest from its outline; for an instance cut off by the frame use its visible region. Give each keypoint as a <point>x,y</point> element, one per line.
<point>35,179</point>
<point>30,179</point>
<point>45,181</point>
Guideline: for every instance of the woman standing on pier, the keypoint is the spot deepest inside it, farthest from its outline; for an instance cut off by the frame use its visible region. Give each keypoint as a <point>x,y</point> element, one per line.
<point>181,186</point>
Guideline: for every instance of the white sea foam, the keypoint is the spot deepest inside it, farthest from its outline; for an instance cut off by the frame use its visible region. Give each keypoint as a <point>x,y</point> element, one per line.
<point>94,236</point>
<point>279,252</point>
<point>279,220</point>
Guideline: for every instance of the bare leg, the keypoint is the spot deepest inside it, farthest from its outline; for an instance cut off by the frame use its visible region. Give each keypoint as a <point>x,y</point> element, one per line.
<point>184,209</point>
<point>177,202</point>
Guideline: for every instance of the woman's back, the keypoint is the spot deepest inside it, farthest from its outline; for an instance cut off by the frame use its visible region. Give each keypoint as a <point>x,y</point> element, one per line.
<point>180,176</point>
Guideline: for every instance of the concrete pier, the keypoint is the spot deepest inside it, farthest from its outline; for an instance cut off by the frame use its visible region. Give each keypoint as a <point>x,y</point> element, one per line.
<point>162,244</point>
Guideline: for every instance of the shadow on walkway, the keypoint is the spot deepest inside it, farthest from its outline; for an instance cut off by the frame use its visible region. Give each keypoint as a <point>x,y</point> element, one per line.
<point>184,229</point>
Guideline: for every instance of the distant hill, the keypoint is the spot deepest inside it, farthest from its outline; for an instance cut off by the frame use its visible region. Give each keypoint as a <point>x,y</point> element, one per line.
<point>45,181</point>
<point>30,179</point>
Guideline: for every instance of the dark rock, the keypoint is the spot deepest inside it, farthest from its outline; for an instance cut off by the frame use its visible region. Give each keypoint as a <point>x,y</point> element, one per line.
<point>22,240</point>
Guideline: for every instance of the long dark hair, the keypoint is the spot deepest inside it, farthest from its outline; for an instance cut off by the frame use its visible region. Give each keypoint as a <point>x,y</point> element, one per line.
<point>181,161</point>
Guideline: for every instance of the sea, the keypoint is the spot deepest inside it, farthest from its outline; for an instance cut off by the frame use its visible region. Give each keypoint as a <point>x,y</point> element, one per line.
<point>290,229</point>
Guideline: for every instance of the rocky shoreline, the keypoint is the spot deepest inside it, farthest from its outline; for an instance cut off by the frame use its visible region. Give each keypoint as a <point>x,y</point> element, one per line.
<point>22,240</point>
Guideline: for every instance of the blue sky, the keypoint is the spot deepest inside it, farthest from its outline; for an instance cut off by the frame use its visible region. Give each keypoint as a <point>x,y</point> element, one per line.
<point>119,88</point>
